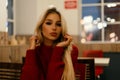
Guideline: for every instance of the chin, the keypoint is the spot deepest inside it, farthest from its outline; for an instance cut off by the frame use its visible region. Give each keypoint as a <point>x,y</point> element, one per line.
<point>53,39</point>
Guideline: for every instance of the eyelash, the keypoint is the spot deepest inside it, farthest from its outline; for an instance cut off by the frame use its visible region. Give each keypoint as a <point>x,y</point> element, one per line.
<point>49,23</point>
<point>58,24</point>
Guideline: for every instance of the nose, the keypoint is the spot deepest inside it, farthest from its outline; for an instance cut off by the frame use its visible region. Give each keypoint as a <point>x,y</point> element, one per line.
<point>54,27</point>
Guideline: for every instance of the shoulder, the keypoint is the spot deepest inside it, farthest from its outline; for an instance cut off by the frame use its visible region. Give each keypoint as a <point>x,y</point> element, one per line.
<point>74,53</point>
<point>74,47</point>
<point>75,50</point>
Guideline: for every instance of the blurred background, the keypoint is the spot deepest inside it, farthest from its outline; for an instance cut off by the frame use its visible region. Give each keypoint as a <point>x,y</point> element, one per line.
<point>94,25</point>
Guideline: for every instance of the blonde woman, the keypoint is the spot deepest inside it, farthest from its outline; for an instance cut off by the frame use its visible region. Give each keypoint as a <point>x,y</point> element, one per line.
<point>51,56</point>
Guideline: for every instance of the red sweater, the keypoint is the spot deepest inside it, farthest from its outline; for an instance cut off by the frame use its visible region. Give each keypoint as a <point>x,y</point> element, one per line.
<point>45,63</point>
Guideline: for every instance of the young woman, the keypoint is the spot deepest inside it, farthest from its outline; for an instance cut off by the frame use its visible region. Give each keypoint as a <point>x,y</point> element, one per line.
<point>51,56</point>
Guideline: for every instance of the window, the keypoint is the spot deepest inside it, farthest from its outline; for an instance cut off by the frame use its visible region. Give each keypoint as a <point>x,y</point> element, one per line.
<point>10,16</point>
<point>100,20</point>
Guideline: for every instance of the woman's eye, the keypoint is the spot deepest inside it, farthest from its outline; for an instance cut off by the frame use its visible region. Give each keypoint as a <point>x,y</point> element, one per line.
<point>48,23</point>
<point>58,24</point>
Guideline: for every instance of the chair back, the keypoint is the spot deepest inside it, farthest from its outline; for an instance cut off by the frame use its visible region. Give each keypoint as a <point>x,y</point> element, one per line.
<point>10,71</point>
<point>85,69</point>
<point>94,53</point>
<point>80,72</point>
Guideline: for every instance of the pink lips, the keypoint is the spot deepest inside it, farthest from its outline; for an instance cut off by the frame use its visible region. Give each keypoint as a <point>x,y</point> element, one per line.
<point>54,34</point>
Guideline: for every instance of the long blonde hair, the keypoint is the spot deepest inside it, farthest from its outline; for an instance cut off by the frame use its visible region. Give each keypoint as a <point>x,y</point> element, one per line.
<point>68,73</point>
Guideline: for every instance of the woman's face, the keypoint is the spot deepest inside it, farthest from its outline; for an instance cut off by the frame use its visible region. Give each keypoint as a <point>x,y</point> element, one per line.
<point>51,27</point>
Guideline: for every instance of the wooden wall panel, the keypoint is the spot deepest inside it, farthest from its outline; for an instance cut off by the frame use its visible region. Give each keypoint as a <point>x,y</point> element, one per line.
<point>111,47</point>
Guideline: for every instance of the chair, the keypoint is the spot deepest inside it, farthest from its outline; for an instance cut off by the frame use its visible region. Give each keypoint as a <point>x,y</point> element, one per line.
<point>85,69</point>
<point>10,71</point>
<point>95,53</point>
<point>80,72</point>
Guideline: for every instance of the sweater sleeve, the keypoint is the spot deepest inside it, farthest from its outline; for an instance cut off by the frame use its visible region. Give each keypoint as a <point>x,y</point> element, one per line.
<point>30,68</point>
<point>74,57</point>
<point>56,65</point>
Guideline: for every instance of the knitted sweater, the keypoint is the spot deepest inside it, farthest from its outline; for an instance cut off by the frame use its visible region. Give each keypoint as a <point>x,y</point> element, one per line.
<point>45,63</point>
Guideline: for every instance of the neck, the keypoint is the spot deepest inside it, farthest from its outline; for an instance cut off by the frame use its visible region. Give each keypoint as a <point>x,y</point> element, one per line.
<point>48,43</point>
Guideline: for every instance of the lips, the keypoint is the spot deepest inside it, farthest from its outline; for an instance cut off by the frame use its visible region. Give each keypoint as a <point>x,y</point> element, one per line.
<point>54,34</point>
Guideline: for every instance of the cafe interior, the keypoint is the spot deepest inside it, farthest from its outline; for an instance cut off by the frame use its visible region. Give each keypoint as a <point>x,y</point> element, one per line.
<point>93,24</point>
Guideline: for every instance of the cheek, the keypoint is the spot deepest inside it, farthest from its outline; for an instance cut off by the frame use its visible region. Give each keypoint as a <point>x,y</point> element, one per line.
<point>60,31</point>
<point>44,31</point>
<point>44,28</point>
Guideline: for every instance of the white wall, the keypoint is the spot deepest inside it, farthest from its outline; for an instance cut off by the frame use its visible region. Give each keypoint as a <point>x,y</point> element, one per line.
<point>28,12</point>
<point>3,15</point>
<point>26,16</point>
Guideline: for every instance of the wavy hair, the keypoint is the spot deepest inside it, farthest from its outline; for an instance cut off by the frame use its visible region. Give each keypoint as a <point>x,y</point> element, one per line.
<point>68,73</point>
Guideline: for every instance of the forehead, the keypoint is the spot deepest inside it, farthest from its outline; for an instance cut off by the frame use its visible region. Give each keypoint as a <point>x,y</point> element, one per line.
<point>53,16</point>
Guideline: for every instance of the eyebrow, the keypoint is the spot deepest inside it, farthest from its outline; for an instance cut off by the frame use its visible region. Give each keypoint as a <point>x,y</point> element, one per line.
<point>48,20</point>
<point>51,20</point>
